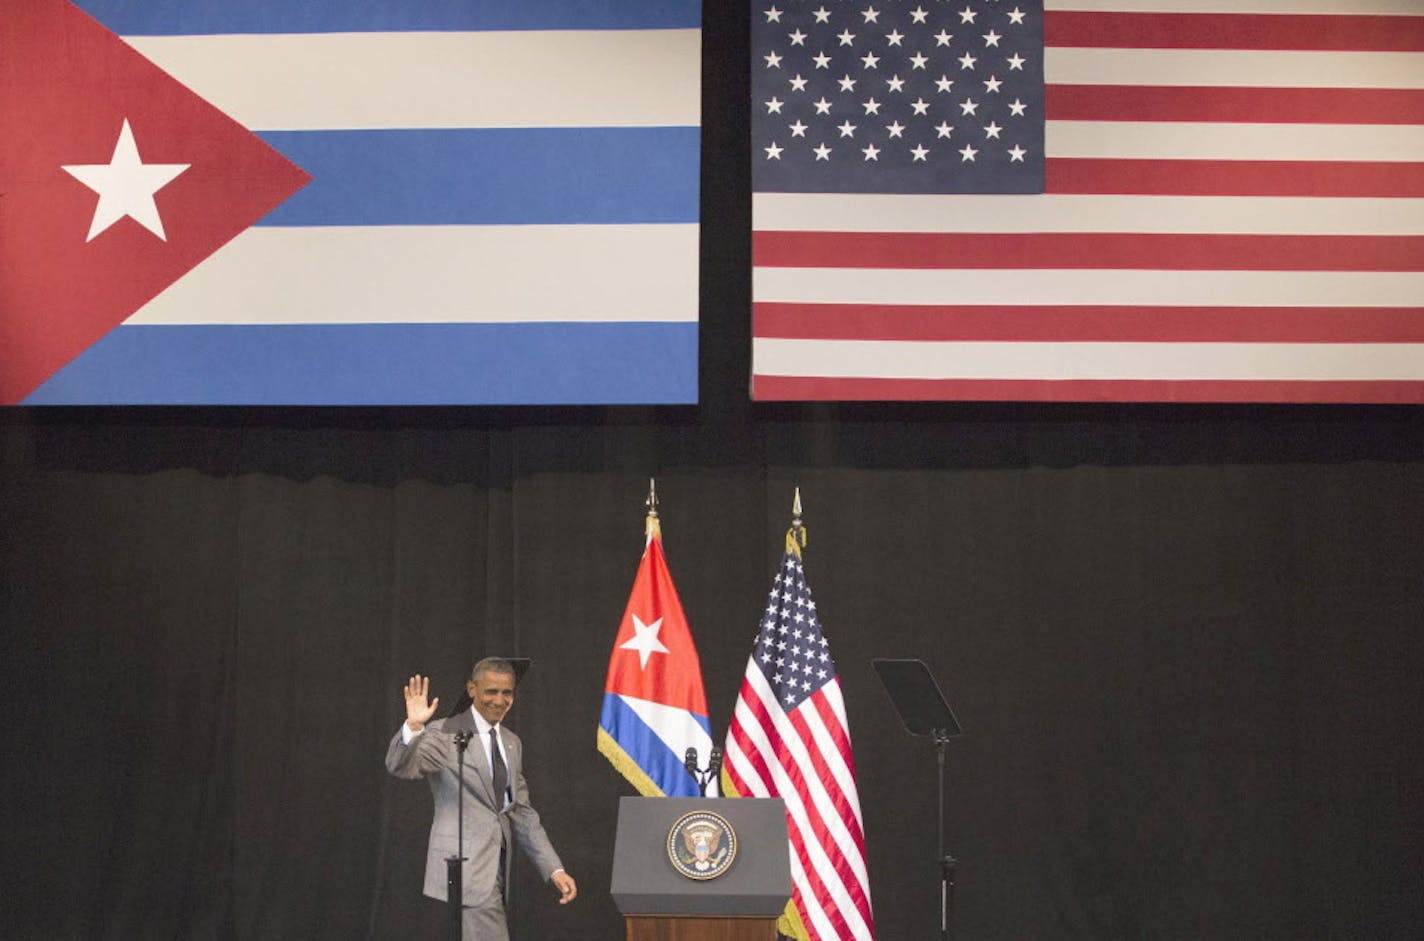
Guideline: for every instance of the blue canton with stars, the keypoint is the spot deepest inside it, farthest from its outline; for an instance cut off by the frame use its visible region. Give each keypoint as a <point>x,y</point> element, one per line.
<point>897,96</point>
<point>790,650</point>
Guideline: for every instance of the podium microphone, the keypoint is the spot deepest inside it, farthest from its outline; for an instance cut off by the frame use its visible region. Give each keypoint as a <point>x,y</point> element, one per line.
<point>689,761</point>
<point>714,763</point>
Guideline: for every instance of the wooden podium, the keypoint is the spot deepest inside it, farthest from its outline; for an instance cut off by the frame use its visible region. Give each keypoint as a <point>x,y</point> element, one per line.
<point>659,903</point>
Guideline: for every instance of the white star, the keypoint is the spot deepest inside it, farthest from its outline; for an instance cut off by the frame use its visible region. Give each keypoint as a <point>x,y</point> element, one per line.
<point>822,15</point>
<point>797,38</point>
<point>921,152</point>
<point>942,38</point>
<point>992,129</point>
<point>871,152</point>
<point>921,106</point>
<point>847,129</point>
<point>847,83</point>
<point>870,59</point>
<point>798,84</point>
<point>918,60</point>
<point>1015,61</point>
<point>823,153</point>
<point>871,15</point>
<point>895,82</point>
<point>774,105</point>
<point>944,83</point>
<point>798,129</point>
<point>125,186</point>
<point>1016,16</point>
<point>773,152</point>
<point>1017,108</point>
<point>967,15</point>
<point>823,106</point>
<point>895,128</point>
<point>846,37</point>
<point>992,84</point>
<point>644,640</point>
<point>969,106</point>
<point>773,61</point>
<point>1016,153</point>
<point>773,15</point>
<point>871,106</point>
<point>966,61</point>
<point>918,15</point>
<point>966,154</point>
<point>822,60</point>
<point>893,37</point>
<point>991,38</point>
<point>944,129</point>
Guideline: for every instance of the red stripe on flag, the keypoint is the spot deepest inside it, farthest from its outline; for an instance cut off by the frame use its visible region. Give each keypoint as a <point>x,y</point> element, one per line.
<point>1090,323</point>
<point>1233,177</point>
<point>1054,250</point>
<point>1220,104</point>
<point>1233,31</point>
<point>823,389</point>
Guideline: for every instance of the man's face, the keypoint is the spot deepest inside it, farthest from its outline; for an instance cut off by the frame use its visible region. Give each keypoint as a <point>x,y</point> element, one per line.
<point>493,694</point>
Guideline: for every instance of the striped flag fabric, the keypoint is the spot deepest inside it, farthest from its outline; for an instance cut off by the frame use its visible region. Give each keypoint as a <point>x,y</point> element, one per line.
<point>654,706</point>
<point>1089,200</point>
<point>502,205</point>
<point>789,738</point>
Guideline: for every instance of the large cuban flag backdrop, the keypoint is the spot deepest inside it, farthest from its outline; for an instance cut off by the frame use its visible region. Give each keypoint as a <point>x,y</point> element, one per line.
<point>365,202</point>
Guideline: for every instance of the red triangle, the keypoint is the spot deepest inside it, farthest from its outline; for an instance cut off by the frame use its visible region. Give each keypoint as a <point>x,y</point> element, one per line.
<point>67,84</point>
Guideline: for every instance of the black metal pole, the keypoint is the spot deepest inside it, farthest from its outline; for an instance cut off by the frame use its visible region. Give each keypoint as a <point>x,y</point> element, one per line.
<point>946,861</point>
<point>455,865</point>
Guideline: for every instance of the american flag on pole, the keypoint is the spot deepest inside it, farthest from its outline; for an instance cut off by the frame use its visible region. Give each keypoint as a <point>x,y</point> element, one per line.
<point>789,738</point>
<point>1088,200</point>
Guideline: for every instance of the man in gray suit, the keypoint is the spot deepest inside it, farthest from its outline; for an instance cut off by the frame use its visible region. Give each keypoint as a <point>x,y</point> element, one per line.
<point>497,810</point>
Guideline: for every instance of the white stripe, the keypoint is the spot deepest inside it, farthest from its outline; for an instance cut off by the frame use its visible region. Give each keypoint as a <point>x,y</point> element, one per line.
<point>783,788</point>
<point>1337,7</point>
<point>439,274</point>
<point>325,81</point>
<point>822,212</point>
<point>835,762</point>
<point>1253,68</point>
<point>1190,140</point>
<point>1089,286</point>
<point>820,926</point>
<point>835,826</point>
<point>1103,361</point>
<point>675,728</point>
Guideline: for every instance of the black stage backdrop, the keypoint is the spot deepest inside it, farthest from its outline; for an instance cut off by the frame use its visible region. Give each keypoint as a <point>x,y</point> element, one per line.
<point>1184,641</point>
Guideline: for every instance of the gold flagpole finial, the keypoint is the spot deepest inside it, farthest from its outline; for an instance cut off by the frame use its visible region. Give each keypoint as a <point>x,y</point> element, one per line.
<point>651,528</point>
<point>796,535</point>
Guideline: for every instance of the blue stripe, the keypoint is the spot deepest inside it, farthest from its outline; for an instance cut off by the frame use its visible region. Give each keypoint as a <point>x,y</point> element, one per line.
<point>646,749</point>
<point>195,17</point>
<point>491,176</point>
<point>384,364</point>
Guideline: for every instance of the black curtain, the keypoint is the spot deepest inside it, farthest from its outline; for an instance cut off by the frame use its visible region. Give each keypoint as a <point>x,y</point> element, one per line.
<point>1184,641</point>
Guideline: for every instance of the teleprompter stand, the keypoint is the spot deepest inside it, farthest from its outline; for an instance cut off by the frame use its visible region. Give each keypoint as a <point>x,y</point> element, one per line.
<point>923,709</point>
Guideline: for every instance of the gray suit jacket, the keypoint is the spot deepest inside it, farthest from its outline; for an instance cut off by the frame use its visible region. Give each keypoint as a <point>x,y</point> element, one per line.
<point>432,755</point>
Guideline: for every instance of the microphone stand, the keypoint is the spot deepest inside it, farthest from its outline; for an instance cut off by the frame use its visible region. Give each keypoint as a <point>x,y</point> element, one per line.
<point>454,865</point>
<point>703,776</point>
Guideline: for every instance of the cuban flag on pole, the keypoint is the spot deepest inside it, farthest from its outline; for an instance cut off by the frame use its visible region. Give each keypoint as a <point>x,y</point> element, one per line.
<point>654,707</point>
<point>376,202</point>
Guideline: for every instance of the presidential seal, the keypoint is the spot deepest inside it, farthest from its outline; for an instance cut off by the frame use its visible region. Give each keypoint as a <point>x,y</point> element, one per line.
<point>701,845</point>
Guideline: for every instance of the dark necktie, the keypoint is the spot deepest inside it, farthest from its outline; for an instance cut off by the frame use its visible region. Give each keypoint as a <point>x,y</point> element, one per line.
<point>498,772</point>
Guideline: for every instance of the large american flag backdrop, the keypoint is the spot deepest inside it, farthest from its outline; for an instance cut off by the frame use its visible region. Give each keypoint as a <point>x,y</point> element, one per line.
<point>1110,200</point>
<point>789,738</point>
<point>364,202</point>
